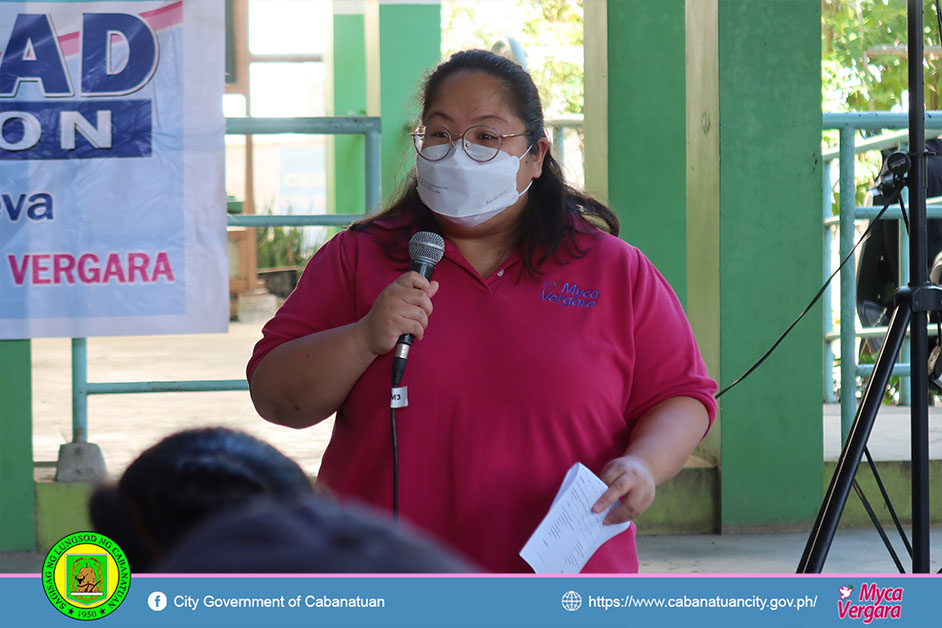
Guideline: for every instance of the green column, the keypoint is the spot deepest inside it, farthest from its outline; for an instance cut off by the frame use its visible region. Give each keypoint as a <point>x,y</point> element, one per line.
<point>703,130</point>
<point>646,137</point>
<point>635,125</point>
<point>754,178</point>
<point>17,491</point>
<point>403,43</point>
<point>347,97</point>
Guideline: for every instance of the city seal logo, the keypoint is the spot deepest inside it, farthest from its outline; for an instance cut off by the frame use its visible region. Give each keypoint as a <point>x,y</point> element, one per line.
<point>86,575</point>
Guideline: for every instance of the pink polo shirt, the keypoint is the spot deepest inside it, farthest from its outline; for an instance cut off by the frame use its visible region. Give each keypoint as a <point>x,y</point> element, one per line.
<point>515,380</point>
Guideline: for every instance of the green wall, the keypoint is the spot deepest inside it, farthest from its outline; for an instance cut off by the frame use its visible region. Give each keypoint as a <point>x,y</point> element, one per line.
<point>345,165</point>
<point>61,509</point>
<point>403,43</point>
<point>646,109</point>
<point>17,495</point>
<point>769,94</point>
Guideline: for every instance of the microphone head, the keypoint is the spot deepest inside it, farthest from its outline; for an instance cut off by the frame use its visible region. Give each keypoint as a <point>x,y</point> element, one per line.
<point>427,247</point>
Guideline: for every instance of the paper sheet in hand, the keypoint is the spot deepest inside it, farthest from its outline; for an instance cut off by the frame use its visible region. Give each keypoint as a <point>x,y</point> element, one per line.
<point>570,533</point>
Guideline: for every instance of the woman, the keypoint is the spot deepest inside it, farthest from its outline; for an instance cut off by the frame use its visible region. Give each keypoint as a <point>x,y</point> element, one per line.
<point>551,341</point>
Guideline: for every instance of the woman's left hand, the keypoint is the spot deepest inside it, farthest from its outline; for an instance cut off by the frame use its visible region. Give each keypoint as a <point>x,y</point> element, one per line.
<point>628,478</point>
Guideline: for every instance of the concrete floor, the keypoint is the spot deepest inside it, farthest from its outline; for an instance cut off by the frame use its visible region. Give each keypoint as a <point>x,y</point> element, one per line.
<point>853,551</point>
<point>123,425</point>
<point>856,551</point>
<point>889,439</point>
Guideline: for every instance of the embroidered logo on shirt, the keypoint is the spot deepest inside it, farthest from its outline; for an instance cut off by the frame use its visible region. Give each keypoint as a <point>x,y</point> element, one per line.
<point>569,295</point>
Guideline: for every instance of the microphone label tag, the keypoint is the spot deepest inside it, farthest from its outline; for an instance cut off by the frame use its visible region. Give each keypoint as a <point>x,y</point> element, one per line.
<point>400,397</point>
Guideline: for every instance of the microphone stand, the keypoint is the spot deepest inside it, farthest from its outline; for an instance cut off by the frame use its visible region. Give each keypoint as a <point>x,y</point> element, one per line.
<point>912,306</point>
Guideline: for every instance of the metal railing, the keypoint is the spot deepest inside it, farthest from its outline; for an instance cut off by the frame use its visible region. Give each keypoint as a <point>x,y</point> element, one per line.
<point>369,127</point>
<point>557,127</point>
<point>847,124</point>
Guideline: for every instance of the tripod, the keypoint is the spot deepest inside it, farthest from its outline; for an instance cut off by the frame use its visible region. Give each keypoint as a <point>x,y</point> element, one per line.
<point>912,306</point>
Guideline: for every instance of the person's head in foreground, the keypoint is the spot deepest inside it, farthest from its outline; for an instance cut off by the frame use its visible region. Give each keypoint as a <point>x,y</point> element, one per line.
<point>184,479</point>
<point>312,534</point>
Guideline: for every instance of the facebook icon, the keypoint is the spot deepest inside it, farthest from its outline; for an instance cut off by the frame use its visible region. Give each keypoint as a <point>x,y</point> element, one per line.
<point>157,601</point>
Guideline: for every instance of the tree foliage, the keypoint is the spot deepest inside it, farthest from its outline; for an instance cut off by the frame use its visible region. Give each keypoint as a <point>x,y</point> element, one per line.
<point>864,61</point>
<point>550,32</point>
<point>865,66</point>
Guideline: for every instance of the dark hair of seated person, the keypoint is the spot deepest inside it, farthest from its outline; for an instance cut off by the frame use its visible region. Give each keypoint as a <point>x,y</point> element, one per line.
<point>182,480</point>
<point>311,534</point>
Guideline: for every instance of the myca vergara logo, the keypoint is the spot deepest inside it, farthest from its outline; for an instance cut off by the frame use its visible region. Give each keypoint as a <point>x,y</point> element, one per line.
<point>873,602</point>
<point>86,575</point>
<point>569,295</point>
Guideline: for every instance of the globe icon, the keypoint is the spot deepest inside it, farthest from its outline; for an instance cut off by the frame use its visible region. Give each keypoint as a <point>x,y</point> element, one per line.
<point>572,601</point>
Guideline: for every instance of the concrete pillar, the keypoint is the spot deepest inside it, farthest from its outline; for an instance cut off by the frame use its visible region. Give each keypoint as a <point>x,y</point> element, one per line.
<point>346,87</point>
<point>635,125</point>
<point>703,214</point>
<point>754,239</point>
<point>703,130</point>
<point>17,491</point>
<point>403,43</point>
<point>644,162</point>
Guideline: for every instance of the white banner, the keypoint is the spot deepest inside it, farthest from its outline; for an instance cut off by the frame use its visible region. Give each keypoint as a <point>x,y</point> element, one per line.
<point>112,202</point>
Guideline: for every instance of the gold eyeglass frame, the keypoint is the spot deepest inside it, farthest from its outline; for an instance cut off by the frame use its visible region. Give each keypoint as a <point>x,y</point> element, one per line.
<point>420,133</point>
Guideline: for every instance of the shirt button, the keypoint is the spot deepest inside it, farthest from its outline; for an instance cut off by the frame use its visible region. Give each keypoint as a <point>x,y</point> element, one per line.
<point>500,273</point>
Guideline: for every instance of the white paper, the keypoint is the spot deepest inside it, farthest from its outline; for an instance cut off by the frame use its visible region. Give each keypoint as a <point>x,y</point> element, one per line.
<point>570,532</point>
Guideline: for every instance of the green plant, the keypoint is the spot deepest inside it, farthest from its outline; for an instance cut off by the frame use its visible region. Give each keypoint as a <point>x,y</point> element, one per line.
<point>279,247</point>
<point>891,394</point>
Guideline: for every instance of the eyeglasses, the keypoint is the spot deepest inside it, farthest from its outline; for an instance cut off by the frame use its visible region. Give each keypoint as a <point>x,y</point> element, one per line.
<point>481,143</point>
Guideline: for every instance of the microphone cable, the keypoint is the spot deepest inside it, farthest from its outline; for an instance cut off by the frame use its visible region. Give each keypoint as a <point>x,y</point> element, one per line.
<point>426,249</point>
<point>395,453</point>
<point>895,196</point>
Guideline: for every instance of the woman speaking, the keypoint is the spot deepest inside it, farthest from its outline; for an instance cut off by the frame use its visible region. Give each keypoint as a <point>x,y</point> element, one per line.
<point>543,340</point>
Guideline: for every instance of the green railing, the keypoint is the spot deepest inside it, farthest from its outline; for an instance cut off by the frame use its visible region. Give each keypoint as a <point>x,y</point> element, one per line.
<point>368,127</point>
<point>847,124</point>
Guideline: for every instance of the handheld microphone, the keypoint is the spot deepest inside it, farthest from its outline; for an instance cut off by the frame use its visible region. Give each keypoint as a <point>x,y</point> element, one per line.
<point>426,250</point>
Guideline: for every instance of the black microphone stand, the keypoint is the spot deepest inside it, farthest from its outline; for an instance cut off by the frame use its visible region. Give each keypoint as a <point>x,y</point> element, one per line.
<point>912,306</point>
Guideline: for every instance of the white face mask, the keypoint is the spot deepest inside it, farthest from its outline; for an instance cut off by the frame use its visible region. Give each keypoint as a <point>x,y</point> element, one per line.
<point>466,191</point>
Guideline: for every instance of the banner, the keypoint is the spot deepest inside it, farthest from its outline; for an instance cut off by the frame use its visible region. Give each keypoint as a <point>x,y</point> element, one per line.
<point>439,601</point>
<point>112,201</point>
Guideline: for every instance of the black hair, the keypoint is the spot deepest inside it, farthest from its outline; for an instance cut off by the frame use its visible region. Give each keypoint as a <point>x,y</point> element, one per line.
<point>183,479</point>
<point>309,534</point>
<point>555,212</point>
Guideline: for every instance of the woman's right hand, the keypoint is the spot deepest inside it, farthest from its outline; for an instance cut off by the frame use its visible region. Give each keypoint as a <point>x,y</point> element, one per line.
<point>403,307</point>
